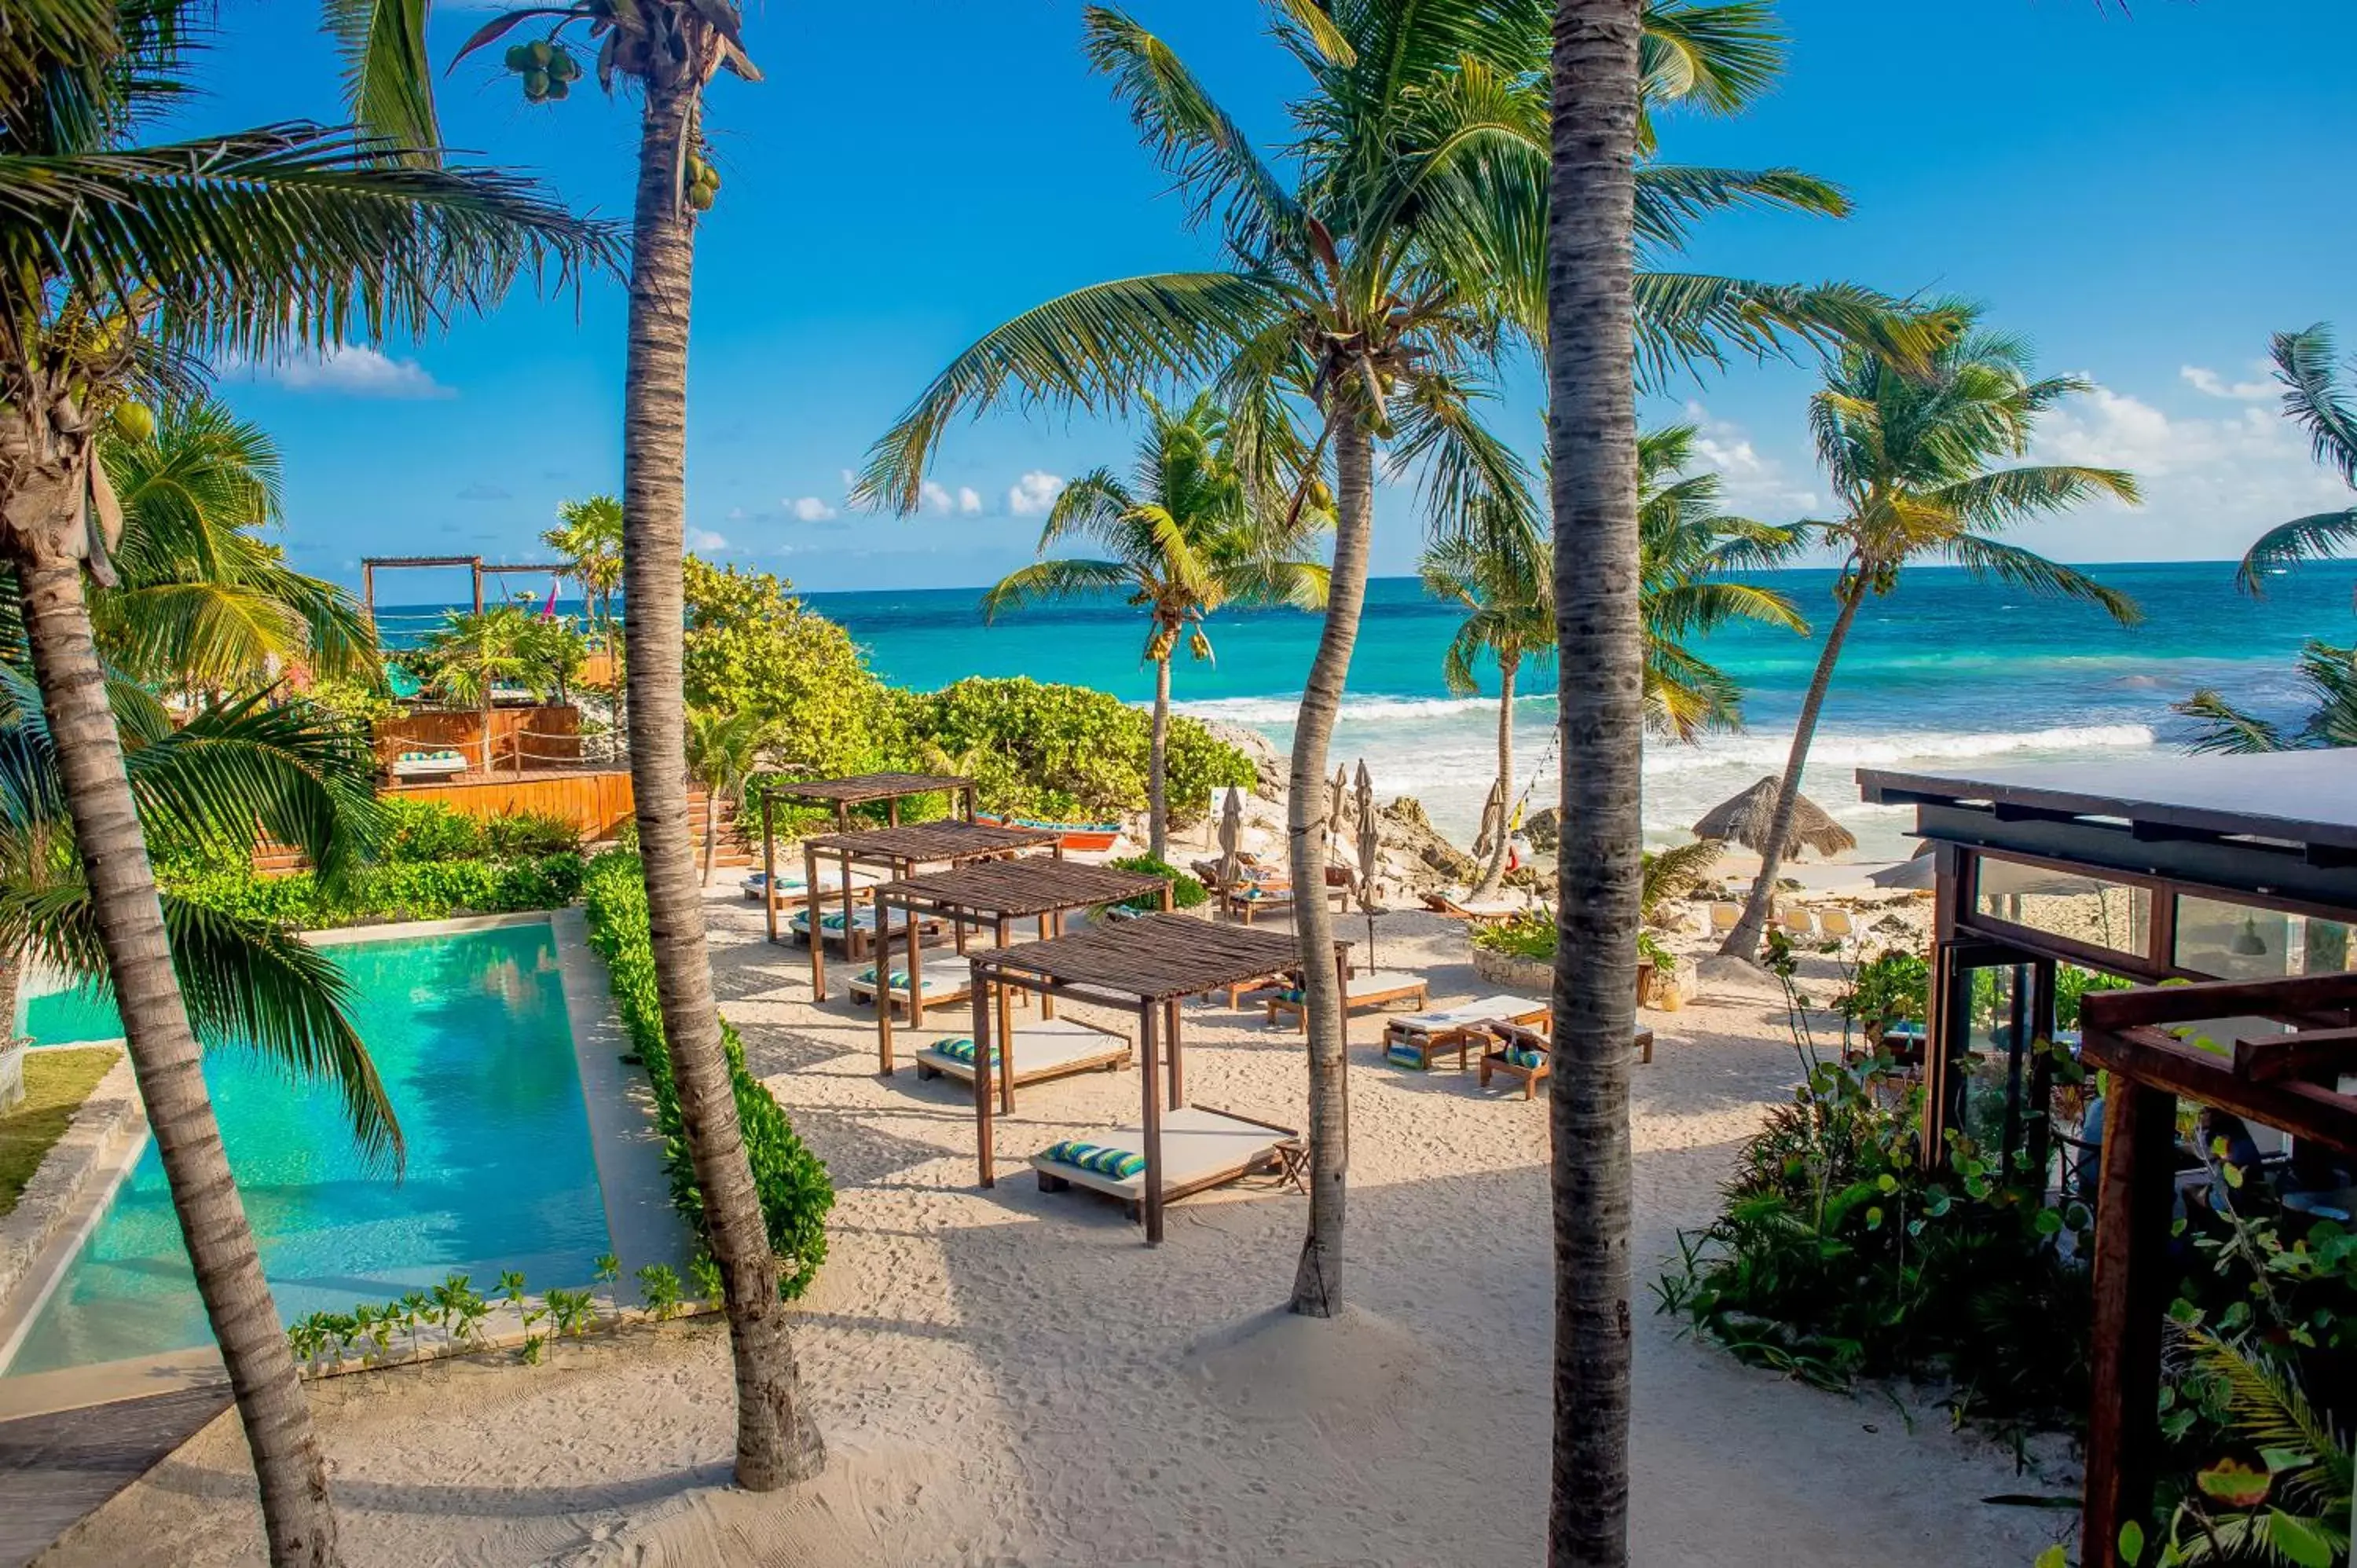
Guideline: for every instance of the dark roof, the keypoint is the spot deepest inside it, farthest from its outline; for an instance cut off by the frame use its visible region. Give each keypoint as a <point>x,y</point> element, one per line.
<point>865,786</point>
<point>1153,957</point>
<point>2296,797</point>
<point>1035,885</point>
<point>950,838</point>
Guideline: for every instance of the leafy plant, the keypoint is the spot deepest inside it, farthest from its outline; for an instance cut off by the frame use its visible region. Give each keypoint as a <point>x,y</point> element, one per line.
<point>1186,892</point>
<point>417,890</point>
<point>792,1182</point>
<point>658,1288</point>
<point>1892,987</point>
<point>704,1270</point>
<point>1527,934</point>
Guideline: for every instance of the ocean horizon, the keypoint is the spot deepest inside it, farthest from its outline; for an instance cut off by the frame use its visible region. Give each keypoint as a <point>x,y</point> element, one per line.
<point>1944,672</point>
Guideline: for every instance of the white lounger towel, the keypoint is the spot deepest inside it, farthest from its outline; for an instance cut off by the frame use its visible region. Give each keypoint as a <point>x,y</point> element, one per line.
<point>1044,1047</point>
<point>944,976</point>
<point>863,918</point>
<point>1466,1013</point>
<point>1198,1148</point>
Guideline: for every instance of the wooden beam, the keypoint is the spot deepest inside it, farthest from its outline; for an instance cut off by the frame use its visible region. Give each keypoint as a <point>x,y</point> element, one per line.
<point>2321,994</point>
<point>770,867</point>
<point>982,1096</point>
<point>2272,1058</point>
<point>2148,1056</point>
<point>2131,1288</point>
<point>1152,1205</point>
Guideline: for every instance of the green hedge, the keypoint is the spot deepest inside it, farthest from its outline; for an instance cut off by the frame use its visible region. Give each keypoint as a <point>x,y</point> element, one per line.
<point>795,1190</point>
<point>410,890</point>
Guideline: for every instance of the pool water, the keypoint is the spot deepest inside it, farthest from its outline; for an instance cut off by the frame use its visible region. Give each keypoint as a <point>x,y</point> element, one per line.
<point>470,1036</point>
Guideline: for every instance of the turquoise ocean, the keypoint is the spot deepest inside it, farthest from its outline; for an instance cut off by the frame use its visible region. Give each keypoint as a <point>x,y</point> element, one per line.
<point>1946,672</point>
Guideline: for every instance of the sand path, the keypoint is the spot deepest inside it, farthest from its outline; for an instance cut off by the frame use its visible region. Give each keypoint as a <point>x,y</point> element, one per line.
<point>1013,1378</point>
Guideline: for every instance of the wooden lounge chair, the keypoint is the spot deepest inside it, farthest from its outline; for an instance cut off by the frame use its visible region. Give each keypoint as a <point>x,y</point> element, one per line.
<point>1044,1049</point>
<point>428,765</point>
<point>1525,1054</point>
<point>1376,990</point>
<point>859,936</point>
<point>1414,1039</point>
<point>1201,1148</point>
<point>945,977</point>
<point>1460,906</point>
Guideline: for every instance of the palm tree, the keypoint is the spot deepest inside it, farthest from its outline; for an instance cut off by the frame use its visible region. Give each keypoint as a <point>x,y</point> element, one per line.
<point>2315,399</point>
<point>473,653</point>
<point>1189,533</point>
<point>120,262</point>
<point>557,652</point>
<point>589,536</point>
<point>1598,71</point>
<point>2330,674</point>
<point>671,51</point>
<point>1686,547</point>
<point>204,605</point>
<point>1364,300</point>
<point>1914,460</point>
<point>723,750</point>
<point>1506,583</point>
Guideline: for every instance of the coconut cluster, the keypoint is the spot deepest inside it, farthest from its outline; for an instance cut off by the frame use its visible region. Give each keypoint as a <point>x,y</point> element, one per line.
<point>547,68</point>
<point>703,183</point>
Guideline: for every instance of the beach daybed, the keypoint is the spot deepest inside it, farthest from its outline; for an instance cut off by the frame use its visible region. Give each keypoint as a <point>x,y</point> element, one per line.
<point>1044,1049</point>
<point>860,927</point>
<point>1460,906</point>
<point>945,980</point>
<point>1415,1038</point>
<point>792,890</point>
<point>1376,990</point>
<point>428,765</point>
<point>1525,1054</point>
<point>1200,1148</point>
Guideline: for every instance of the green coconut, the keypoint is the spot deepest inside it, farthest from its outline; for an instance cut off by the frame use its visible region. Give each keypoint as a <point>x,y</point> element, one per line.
<point>535,85</point>
<point>558,87</point>
<point>518,57</point>
<point>563,67</point>
<point>135,422</point>
<point>700,196</point>
<point>541,50</point>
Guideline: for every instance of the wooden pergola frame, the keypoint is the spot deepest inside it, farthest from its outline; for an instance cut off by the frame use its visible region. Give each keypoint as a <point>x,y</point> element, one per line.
<point>1148,966</point>
<point>900,851</point>
<point>370,565</point>
<point>856,790</point>
<point>2297,1083</point>
<point>992,895</point>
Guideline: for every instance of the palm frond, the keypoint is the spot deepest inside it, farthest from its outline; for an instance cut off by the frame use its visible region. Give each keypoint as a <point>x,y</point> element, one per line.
<point>1987,557</point>
<point>2315,401</point>
<point>1043,582</point>
<point>2226,730</point>
<point>1718,58</point>
<point>388,76</point>
<point>2314,537</point>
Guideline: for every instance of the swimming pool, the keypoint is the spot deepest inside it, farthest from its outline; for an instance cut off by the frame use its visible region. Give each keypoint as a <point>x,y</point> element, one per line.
<point>470,1034</point>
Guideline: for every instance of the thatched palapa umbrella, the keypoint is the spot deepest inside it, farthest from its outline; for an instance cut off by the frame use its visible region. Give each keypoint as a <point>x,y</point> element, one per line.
<point>1746,820</point>
<point>1371,856</point>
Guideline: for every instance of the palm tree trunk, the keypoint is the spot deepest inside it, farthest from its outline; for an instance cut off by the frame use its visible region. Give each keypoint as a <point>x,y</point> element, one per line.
<point>1494,876</point>
<point>1158,767</point>
<point>488,761</point>
<point>1743,943</point>
<point>297,1520</point>
<point>12,986</point>
<point>1318,1279</point>
<point>711,834</point>
<point>776,1440</point>
<point>1599,638</point>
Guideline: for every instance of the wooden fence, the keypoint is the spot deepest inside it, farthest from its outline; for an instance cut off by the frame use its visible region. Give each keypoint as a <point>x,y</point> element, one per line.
<point>597,802</point>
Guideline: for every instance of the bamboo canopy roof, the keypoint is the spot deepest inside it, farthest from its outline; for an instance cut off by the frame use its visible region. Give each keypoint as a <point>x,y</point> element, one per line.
<point>951,839</point>
<point>1017,888</point>
<point>860,789</point>
<point>1748,818</point>
<point>1154,958</point>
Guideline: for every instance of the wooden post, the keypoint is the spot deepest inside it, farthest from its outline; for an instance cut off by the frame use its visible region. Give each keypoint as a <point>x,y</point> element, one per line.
<point>1050,927</point>
<point>2133,1199</point>
<point>892,810</point>
<point>1153,1203</point>
<point>916,974</point>
<point>982,1082</point>
<point>1007,1036</point>
<point>478,585</point>
<point>968,794</point>
<point>884,986</point>
<point>814,910</point>
<point>368,596</point>
<point>770,866</point>
<point>1178,1067</point>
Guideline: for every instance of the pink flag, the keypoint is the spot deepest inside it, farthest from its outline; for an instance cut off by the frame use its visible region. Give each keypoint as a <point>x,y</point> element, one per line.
<point>548,610</point>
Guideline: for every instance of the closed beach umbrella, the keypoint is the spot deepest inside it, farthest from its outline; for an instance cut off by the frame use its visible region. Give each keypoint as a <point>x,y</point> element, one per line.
<point>1371,855</point>
<point>1231,837</point>
<point>1916,876</point>
<point>1494,820</point>
<point>1746,820</point>
<point>1338,795</point>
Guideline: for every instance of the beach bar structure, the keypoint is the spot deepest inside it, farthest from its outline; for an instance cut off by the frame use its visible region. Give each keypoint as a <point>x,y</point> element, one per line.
<point>899,850</point>
<point>2233,877</point>
<point>1148,966</point>
<point>992,895</point>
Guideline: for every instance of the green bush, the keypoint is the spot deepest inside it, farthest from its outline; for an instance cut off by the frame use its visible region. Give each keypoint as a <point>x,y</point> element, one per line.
<point>795,1190</point>
<point>411,891</point>
<point>1529,934</point>
<point>751,647</point>
<point>1892,987</point>
<point>1185,893</point>
<point>529,836</point>
<point>427,830</point>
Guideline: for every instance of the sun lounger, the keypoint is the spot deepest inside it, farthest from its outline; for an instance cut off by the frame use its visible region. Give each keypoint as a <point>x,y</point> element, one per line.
<point>1415,1038</point>
<point>1836,924</point>
<point>1375,990</point>
<point>428,765</point>
<point>945,980</point>
<point>1798,921</point>
<point>1044,1049</point>
<point>1724,917</point>
<point>1201,1148</point>
<point>1459,906</point>
<point>792,890</point>
<point>861,928</point>
<point>1526,1055</point>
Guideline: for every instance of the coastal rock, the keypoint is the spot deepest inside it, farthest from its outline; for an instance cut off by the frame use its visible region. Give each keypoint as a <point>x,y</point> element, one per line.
<point>1544,828</point>
<point>1431,860</point>
<point>1269,766</point>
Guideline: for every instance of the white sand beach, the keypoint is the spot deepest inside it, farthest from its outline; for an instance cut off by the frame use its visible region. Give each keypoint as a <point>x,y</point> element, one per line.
<point>1012,1377</point>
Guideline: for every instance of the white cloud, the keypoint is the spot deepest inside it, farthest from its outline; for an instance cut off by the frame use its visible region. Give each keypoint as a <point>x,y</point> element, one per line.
<point>810,508</point>
<point>1033,493</point>
<point>1752,483</point>
<point>705,541</point>
<point>968,502</point>
<point>934,498</point>
<point>355,371</point>
<point>2211,384</point>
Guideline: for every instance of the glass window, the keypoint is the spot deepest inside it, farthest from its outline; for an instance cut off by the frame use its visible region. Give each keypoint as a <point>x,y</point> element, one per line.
<point>2236,942</point>
<point>2066,903</point>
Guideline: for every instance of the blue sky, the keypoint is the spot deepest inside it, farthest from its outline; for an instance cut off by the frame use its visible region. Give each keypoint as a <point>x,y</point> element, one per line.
<point>2146,197</point>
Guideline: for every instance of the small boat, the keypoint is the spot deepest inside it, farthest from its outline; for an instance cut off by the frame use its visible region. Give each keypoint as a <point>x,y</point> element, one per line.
<point>1089,836</point>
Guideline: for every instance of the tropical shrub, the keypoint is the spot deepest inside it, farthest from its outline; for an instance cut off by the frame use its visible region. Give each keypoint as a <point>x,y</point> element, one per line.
<point>529,836</point>
<point>795,1190</point>
<point>1185,893</point>
<point>1892,987</point>
<point>408,890</point>
<point>1530,934</point>
<point>753,648</point>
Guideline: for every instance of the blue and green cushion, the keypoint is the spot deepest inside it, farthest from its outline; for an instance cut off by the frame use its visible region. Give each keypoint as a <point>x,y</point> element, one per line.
<point>1523,1056</point>
<point>961,1050</point>
<point>1404,1054</point>
<point>1118,1163</point>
